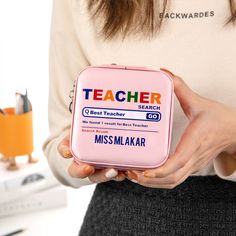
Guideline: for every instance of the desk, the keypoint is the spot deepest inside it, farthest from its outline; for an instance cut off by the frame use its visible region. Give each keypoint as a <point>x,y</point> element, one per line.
<point>58,222</point>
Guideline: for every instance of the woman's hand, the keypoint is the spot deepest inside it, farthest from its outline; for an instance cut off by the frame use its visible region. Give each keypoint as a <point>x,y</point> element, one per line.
<point>211,130</point>
<point>82,170</point>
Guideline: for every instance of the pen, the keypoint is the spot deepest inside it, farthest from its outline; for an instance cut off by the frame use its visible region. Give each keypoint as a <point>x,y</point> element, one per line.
<point>25,102</point>
<point>19,103</point>
<point>1,111</point>
<point>15,232</point>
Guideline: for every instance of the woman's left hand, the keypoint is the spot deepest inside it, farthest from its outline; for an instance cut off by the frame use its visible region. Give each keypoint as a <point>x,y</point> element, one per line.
<point>211,130</point>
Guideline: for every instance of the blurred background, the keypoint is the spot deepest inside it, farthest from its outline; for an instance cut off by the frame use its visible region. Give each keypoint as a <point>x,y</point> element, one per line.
<point>27,195</point>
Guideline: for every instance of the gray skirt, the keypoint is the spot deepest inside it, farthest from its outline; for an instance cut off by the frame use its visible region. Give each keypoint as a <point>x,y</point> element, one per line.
<point>202,205</point>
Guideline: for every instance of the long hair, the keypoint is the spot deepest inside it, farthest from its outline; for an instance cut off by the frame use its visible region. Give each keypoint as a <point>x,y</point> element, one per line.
<point>125,17</point>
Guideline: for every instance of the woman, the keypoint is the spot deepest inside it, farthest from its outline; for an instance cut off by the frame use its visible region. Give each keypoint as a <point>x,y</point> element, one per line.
<point>194,192</point>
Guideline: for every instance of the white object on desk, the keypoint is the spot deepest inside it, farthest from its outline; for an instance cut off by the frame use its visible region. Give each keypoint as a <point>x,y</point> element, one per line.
<point>31,188</point>
<point>31,179</point>
<point>18,188</point>
<point>55,221</point>
<point>44,200</point>
<point>59,221</point>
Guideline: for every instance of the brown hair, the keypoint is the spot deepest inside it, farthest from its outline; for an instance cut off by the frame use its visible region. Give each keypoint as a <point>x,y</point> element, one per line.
<point>233,11</point>
<point>125,17</point>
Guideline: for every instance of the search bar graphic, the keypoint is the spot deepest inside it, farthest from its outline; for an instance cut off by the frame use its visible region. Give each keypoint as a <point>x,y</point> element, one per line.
<point>122,114</point>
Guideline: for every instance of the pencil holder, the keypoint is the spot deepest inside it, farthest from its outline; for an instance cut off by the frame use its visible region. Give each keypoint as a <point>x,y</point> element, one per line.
<point>16,133</point>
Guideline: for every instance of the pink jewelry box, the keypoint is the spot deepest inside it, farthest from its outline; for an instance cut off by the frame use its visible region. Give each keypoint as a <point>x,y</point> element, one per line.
<point>122,117</point>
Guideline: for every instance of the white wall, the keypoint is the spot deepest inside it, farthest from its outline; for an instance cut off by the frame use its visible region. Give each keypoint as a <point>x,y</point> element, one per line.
<point>24,42</point>
<point>24,48</point>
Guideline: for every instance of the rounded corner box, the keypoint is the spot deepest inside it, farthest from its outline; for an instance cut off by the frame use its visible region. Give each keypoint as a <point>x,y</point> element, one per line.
<point>122,117</point>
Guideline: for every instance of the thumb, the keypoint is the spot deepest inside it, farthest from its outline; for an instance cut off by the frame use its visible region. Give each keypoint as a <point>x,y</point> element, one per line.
<point>188,99</point>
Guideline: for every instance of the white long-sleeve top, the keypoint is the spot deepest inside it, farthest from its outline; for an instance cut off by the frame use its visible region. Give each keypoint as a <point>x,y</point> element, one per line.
<point>193,43</point>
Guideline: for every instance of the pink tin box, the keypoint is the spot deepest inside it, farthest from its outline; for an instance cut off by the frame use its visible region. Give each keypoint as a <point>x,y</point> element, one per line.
<point>122,117</point>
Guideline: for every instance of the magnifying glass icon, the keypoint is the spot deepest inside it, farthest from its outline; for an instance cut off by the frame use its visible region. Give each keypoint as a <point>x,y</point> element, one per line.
<point>86,111</point>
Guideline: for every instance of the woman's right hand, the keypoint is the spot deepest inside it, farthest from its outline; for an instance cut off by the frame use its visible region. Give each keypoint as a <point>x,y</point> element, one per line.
<point>82,170</point>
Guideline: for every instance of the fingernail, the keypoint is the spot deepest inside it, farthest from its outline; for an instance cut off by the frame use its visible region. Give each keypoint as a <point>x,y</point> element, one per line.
<point>133,177</point>
<point>119,177</point>
<point>165,70</point>
<point>88,169</point>
<point>111,173</point>
<point>67,153</point>
<point>148,174</point>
